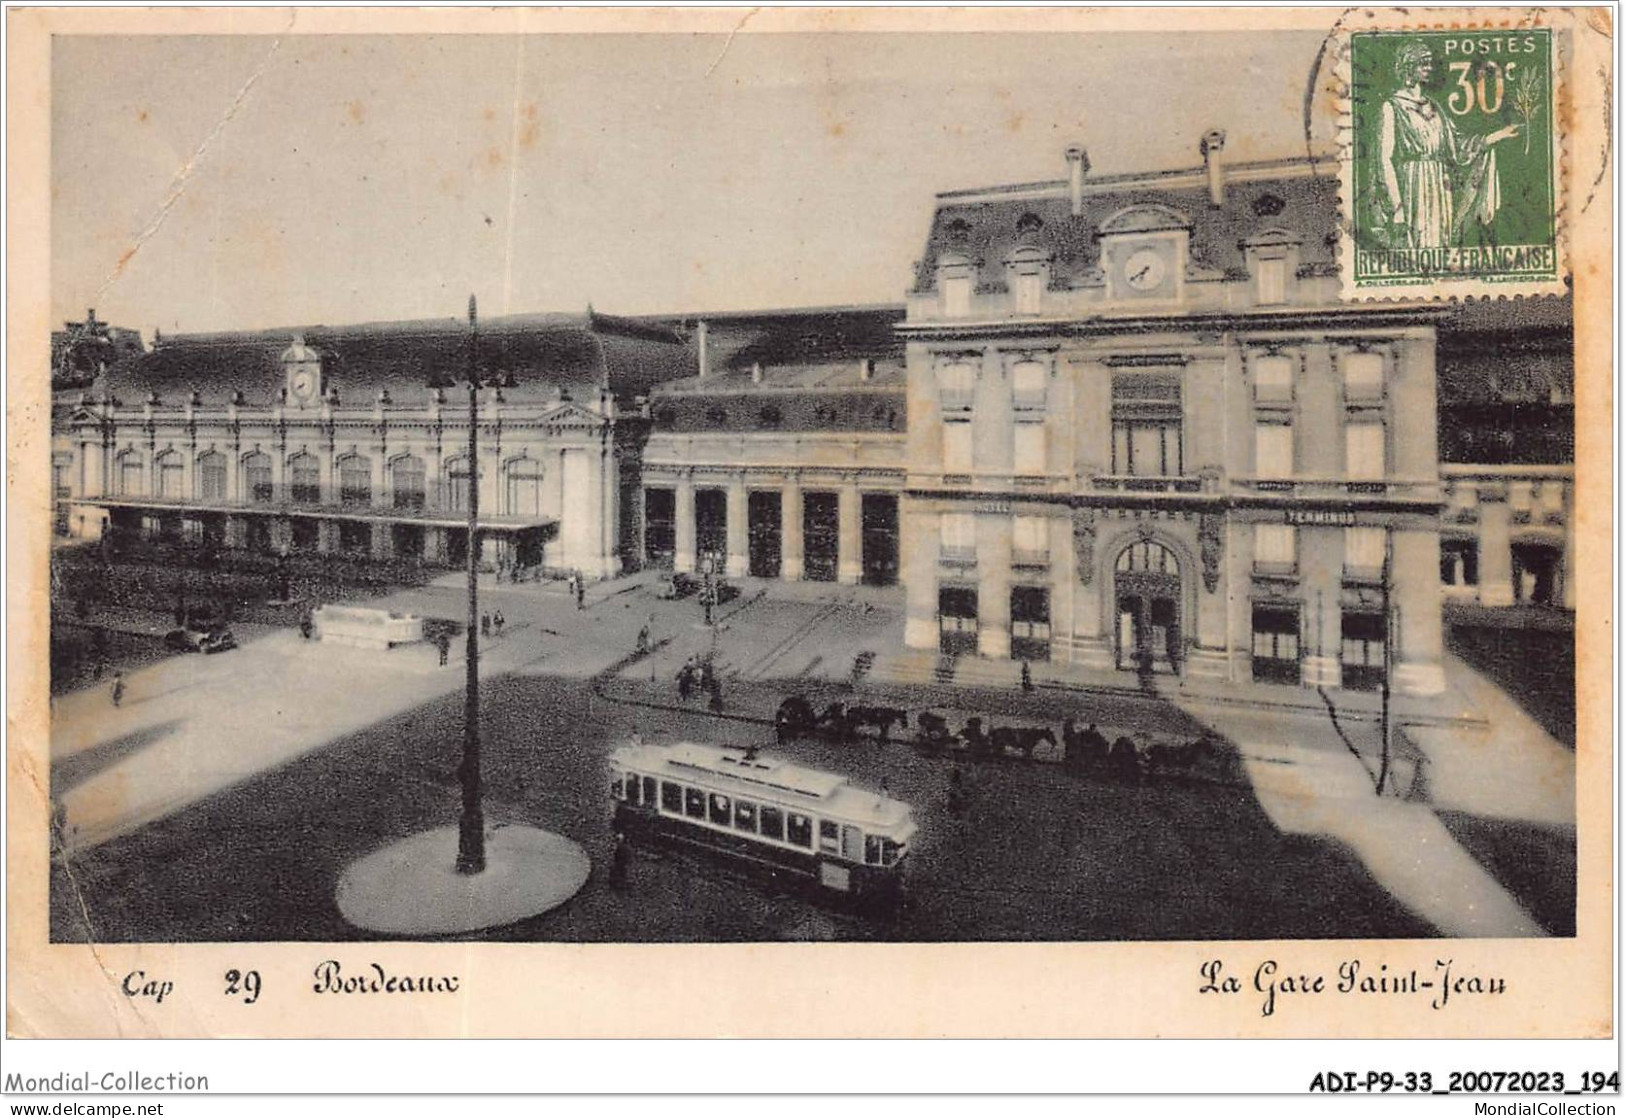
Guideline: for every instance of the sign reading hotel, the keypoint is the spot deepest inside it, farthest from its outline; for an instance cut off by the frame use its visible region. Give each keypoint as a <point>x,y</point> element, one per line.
<point>1450,163</point>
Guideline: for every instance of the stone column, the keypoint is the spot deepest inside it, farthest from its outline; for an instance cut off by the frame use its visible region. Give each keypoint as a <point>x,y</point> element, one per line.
<point>380,466</point>
<point>849,556</point>
<point>1320,631</point>
<point>1419,649</point>
<point>738,563</point>
<point>791,547</point>
<point>1494,547</point>
<point>382,542</point>
<point>919,542</point>
<point>683,560</point>
<point>993,591</point>
<point>94,459</point>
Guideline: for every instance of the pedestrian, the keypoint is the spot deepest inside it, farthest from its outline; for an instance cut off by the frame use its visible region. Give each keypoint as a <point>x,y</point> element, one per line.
<point>685,681</point>
<point>485,624</point>
<point>620,862</point>
<point>497,621</point>
<point>707,677</point>
<point>305,627</point>
<point>443,643</point>
<point>581,591</point>
<point>643,641</point>
<point>1026,677</point>
<point>118,688</point>
<point>715,690</point>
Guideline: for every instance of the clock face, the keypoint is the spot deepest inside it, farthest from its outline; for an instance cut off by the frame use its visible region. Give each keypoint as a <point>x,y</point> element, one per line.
<point>304,384</point>
<point>1145,269</point>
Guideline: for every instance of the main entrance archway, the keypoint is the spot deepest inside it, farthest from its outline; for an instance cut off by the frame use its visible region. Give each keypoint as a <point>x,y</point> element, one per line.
<point>1148,596</point>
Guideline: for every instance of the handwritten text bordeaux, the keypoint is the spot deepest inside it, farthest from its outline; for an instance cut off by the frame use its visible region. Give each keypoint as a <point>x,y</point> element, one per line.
<point>1275,984</point>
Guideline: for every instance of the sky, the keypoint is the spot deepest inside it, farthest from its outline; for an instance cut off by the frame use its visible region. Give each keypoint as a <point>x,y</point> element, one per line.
<point>236,182</point>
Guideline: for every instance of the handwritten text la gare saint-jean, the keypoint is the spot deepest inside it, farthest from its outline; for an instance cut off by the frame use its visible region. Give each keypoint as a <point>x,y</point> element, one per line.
<point>1275,984</point>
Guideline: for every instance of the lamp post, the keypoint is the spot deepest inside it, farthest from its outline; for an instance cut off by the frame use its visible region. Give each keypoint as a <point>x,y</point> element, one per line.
<point>471,826</point>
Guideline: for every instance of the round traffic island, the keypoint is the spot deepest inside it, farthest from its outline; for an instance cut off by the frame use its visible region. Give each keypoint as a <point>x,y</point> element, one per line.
<point>412,887</point>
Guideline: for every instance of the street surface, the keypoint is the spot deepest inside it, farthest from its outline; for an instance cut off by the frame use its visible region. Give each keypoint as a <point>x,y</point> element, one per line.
<point>227,794</point>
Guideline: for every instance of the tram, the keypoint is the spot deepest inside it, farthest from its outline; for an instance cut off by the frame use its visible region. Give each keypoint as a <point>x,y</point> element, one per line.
<point>799,825</point>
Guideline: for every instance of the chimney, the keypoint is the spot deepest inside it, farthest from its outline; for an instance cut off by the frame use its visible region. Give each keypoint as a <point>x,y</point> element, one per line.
<point>866,368</point>
<point>756,373</point>
<point>1213,156</point>
<point>705,350</point>
<point>1077,166</point>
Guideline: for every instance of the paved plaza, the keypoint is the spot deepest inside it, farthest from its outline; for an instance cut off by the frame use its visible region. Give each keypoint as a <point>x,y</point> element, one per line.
<point>227,794</point>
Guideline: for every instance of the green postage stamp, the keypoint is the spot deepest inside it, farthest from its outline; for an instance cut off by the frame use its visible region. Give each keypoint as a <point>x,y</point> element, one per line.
<point>1451,163</point>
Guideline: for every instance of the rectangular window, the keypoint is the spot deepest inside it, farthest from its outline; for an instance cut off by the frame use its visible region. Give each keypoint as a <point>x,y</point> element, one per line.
<point>799,830</point>
<point>1030,449</point>
<point>1458,562</point>
<point>617,784</point>
<point>871,850</point>
<point>956,384</point>
<point>632,786</point>
<point>772,821</point>
<point>1272,448</point>
<point>1272,281</point>
<point>1364,550</point>
<point>956,296</point>
<point>957,451</point>
<point>671,797</point>
<point>721,810</point>
<point>1272,378</point>
<point>852,844</point>
<point>1275,547</point>
<point>1275,632</point>
<point>649,783</point>
<point>1366,457</point>
<point>1362,653</point>
<point>694,803</point>
<point>1029,292</point>
<point>1362,375</point>
<point>829,836</point>
<point>1146,425</point>
<point>959,534</point>
<point>1029,384</point>
<point>744,816</point>
<point>1029,536</point>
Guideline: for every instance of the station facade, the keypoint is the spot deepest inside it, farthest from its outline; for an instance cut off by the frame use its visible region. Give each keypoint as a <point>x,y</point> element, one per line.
<point>1121,421</point>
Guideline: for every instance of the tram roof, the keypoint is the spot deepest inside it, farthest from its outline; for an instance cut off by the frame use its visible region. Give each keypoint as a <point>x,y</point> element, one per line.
<point>833,793</point>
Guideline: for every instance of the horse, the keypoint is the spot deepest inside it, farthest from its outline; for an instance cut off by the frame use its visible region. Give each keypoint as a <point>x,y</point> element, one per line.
<point>976,740</point>
<point>835,722</point>
<point>881,718</point>
<point>1163,757</point>
<point>1021,739</point>
<point>795,719</point>
<point>1085,749</point>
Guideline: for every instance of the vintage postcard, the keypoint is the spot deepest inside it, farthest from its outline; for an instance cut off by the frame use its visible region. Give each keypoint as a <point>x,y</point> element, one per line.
<point>967,523</point>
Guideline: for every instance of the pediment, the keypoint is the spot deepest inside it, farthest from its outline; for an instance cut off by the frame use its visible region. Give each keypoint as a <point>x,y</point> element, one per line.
<point>1147,217</point>
<point>569,414</point>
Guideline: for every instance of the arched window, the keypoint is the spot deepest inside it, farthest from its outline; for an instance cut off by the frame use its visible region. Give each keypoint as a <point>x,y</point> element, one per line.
<point>1148,556</point>
<point>407,481</point>
<point>355,480</point>
<point>257,478</point>
<point>211,476</point>
<point>170,471</point>
<point>524,486</point>
<point>304,479</point>
<point>455,485</point>
<point>132,475</point>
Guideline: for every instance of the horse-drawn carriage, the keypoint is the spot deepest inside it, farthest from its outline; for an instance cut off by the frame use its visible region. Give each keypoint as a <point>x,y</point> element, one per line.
<point>797,718</point>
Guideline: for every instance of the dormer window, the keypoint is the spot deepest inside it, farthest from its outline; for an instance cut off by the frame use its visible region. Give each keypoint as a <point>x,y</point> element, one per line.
<point>1272,260</point>
<point>1028,272</point>
<point>956,276</point>
<point>1028,227</point>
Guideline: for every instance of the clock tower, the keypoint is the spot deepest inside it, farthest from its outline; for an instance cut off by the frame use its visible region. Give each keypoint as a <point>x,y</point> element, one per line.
<point>302,372</point>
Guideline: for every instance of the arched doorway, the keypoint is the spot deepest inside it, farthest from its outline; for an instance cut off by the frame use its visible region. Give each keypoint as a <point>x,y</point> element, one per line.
<point>1148,622</point>
<point>1536,569</point>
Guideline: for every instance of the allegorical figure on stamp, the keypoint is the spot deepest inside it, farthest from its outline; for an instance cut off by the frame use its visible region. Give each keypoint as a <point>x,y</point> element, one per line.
<point>1433,178</point>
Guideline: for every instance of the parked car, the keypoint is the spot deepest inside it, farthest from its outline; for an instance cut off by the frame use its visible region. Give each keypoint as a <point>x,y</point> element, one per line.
<point>200,640</point>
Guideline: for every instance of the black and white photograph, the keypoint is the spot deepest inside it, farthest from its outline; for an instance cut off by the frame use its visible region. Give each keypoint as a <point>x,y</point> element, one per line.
<point>818,487</point>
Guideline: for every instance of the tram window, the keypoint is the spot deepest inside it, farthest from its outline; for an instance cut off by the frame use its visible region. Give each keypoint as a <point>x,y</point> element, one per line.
<point>649,783</point>
<point>889,852</point>
<point>721,810</point>
<point>829,836</point>
<point>693,803</point>
<point>671,797</point>
<point>772,823</point>
<point>852,844</point>
<point>871,849</point>
<point>744,815</point>
<point>616,783</point>
<point>800,830</point>
<point>631,788</point>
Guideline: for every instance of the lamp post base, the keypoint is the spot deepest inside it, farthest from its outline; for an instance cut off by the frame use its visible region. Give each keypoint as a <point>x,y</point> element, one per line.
<point>413,888</point>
